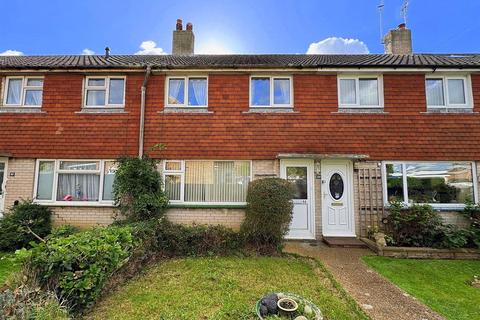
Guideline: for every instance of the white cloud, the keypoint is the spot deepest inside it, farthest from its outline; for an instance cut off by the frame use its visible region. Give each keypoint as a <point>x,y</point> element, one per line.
<point>11,53</point>
<point>87,52</point>
<point>150,47</point>
<point>336,45</point>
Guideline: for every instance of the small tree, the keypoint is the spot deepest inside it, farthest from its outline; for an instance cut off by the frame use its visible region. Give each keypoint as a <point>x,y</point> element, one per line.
<point>268,214</point>
<point>138,190</point>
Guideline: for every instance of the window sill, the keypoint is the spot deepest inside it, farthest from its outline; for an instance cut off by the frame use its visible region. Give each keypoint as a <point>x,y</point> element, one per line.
<point>207,206</point>
<point>449,110</point>
<point>360,110</point>
<point>75,204</point>
<point>186,110</point>
<point>6,109</point>
<point>101,110</point>
<point>270,110</point>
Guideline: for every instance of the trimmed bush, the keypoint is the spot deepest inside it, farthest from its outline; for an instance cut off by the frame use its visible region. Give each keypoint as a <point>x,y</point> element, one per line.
<point>78,266</point>
<point>137,189</point>
<point>23,224</point>
<point>268,214</point>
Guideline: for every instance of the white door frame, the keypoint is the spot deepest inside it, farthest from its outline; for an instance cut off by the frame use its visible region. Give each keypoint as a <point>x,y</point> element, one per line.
<point>2,196</point>
<point>349,199</point>
<point>309,163</point>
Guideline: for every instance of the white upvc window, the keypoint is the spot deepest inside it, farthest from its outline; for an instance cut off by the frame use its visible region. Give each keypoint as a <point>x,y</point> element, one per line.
<point>441,184</point>
<point>271,91</point>
<point>360,91</point>
<point>448,92</point>
<point>104,92</point>
<point>207,182</point>
<point>23,91</point>
<point>74,182</point>
<point>187,91</point>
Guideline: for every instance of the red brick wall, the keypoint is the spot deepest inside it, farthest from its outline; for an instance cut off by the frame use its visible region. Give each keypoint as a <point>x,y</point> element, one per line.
<point>404,131</point>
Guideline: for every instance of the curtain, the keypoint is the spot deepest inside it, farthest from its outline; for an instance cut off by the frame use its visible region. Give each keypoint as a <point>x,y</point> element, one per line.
<point>281,91</point>
<point>368,92</point>
<point>176,91</point>
<point>435,92</point>
<point>115,94</point>
<point>78,187</point>
<point>14,91</point>
<point>95,97</point>
<point>456,91</point>
<point>33,97</point>
<point>173,185</point>
<point>347,91</point>
<point>199,89</point>
<point>45,180</point>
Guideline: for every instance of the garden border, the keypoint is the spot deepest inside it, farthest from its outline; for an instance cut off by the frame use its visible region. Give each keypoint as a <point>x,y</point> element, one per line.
<point>423,252</point>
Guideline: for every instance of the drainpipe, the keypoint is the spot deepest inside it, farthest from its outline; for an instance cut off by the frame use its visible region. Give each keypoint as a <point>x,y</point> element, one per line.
<point>148,70</point>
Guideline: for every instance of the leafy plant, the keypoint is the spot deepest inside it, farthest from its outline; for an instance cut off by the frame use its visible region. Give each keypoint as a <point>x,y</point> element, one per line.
<point>137,189</point>
<point>63,231</point>
<point>268,213</point>
<point>26,222</point>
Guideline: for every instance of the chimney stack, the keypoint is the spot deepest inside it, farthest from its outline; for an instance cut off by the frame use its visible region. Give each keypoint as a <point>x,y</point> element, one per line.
<point>183,40</point>
<point>398,41</point>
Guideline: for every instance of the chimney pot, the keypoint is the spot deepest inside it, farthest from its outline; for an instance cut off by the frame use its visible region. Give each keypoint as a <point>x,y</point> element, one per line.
<point>402,26</point>
<point>179,26</point>
<point>107,52</point>
<point>189,26</point>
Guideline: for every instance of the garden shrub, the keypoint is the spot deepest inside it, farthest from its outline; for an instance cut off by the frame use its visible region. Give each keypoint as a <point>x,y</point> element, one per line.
<point>472,213</point>
<point>23,224</point>
<point>137,189</point>
<point>78,266</point>
<point>268,213</point>
<point>62,231</point>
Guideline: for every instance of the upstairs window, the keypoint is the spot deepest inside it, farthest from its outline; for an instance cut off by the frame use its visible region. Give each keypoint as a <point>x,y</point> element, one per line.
<point>187,92</point>
<point>361,92</point>
<point>105,92</point>
<point>271,92</point>
<point>24,91</point>
<point>447,92</point>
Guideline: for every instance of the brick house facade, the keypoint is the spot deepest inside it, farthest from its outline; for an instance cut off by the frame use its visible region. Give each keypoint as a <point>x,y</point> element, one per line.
<point>346,159</point>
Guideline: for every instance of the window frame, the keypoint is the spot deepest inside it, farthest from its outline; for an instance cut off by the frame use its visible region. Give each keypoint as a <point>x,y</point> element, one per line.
<point>185,104</point>
<point>272,104</point>
<point>467,91</point>
<point>105,87</point>
<point>445,206</point>
<point>357,78</point>
<point>54,202</point>
<point>182,187</point>
<point>23,90</point>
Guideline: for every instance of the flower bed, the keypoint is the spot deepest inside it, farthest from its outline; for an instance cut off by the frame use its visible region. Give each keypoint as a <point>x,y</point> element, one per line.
<point>287,306</point>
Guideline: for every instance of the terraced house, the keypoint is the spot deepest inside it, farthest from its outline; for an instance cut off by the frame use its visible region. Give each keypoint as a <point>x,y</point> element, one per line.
<point>352,132</point>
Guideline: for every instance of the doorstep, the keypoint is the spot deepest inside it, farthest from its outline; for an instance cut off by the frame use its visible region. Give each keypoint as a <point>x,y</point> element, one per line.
<point>344,242</point>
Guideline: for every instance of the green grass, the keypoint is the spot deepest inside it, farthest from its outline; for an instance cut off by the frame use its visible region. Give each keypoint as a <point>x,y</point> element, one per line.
<point>223,288</point>
<point>7,266</point>
<point>440,284</point>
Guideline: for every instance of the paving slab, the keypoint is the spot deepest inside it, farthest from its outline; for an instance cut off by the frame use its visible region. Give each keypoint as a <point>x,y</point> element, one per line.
<point>377,296</point>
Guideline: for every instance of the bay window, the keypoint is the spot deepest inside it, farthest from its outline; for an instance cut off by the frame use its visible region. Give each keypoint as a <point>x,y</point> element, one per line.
<point>268,91</point>
<point>448,92</point>
<point>75,181</point>
<point>24,91</point>
<point>106,92</point>
<point>206,182</point>
<point>187,91</point>
<point>361,92</point>
<point>440,184</point>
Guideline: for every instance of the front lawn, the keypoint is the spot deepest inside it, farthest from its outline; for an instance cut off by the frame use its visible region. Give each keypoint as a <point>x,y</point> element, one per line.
<point>6,266</point>
<point>440,284</point>
<point>223,288</point>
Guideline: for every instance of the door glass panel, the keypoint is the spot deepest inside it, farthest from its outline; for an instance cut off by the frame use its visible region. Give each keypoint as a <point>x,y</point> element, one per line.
<point>298,176</point>
<point>336,186</point>
<point>2,171</point>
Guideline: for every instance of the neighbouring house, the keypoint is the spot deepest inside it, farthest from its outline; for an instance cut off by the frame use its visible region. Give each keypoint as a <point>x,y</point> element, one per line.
<point>352,132</point>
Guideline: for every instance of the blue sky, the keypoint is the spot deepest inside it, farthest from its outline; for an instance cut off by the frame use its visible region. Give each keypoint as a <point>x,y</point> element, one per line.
<point>229,26</point>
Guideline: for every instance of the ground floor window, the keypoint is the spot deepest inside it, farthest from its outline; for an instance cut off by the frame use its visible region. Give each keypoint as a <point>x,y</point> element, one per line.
<point>215,182</point>
<point>74,181</point>
<point>436,183</point>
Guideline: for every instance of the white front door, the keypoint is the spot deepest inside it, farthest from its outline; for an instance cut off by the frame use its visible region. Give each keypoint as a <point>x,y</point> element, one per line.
<point>337,198</point>
<point>300,173</point>
<point>3,180</point>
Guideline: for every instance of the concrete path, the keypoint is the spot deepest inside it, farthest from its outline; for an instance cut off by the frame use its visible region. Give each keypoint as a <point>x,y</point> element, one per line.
<point>378,297</point>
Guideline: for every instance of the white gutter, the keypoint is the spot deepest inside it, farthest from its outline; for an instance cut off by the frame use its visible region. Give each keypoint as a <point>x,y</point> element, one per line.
<point>142,112</point>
